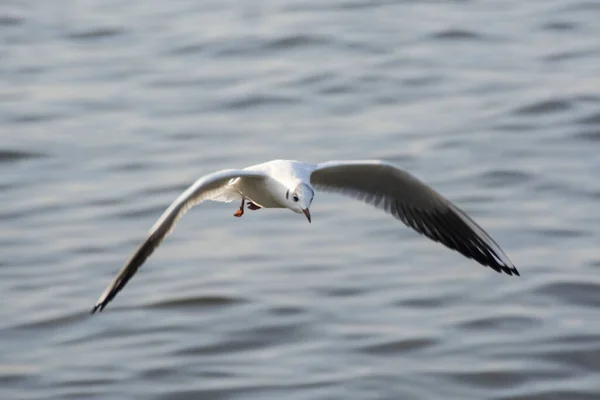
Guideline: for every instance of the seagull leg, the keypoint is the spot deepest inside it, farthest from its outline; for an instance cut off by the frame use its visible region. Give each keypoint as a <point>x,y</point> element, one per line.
<point>240,211</point>
<point>252,206</point>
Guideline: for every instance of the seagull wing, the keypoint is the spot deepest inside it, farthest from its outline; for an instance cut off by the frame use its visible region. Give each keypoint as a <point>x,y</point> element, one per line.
<point>415,204</point>
<point>204,188</point>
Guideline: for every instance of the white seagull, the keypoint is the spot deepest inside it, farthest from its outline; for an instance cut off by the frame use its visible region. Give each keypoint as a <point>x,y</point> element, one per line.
<point>291,184</point>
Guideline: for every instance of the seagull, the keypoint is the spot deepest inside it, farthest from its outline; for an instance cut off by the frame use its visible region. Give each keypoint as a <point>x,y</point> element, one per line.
<point>291,184</point>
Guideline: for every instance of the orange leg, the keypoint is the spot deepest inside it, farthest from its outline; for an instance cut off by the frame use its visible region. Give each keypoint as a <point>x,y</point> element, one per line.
<point>240,211</point>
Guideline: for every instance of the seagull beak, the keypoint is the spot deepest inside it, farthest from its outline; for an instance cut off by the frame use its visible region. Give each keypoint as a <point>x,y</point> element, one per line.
<point>307,213</point>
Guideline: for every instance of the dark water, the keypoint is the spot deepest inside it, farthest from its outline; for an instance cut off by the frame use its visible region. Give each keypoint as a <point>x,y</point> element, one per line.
<point>108,109</point>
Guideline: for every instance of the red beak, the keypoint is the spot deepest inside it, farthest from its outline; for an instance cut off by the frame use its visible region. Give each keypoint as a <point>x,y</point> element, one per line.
<point>307,213</point>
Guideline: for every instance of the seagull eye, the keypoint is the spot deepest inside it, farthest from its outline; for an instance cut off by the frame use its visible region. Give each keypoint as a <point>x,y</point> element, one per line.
<point>295,198</point>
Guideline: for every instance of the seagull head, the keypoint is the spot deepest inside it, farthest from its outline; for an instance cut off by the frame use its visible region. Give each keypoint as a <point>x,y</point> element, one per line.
<point>300,198</point>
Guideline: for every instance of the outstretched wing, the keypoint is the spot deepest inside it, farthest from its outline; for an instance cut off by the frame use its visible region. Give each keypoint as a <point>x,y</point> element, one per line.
<point>203,189</point>
<point>415,204</point>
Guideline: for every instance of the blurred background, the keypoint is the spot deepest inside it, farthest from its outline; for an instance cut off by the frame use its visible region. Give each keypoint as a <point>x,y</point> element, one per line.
<point>109,109</point>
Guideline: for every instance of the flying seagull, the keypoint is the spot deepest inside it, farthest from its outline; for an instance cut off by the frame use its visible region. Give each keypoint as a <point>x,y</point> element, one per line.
<point>291,184</point>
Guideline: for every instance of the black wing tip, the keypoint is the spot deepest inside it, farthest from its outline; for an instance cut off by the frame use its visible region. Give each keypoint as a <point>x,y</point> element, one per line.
<point>98,307</point>
<point>508,270</point>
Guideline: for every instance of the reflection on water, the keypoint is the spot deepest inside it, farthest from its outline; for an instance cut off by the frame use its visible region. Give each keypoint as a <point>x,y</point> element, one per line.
<point>110,110</point>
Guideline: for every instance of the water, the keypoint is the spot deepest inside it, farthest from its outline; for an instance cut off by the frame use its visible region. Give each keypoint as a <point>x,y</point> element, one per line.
<point>109,109</point>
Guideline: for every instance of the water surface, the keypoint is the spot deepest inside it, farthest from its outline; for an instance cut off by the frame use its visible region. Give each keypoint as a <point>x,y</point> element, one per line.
<point>110,109</point>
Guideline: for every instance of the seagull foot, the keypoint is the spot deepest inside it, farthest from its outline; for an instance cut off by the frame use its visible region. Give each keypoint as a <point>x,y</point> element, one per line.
<point>252,206</point>
<point>240,211</point>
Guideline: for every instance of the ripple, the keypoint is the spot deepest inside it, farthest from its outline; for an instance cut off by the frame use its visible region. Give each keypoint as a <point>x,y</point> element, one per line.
<point>566,55</point>
<point>287,311</point>
<point>559,26</point>
<point>340,89</point>
<point>194,48</point>
<point>343,291</point>
<point>107,201</point>
<point>592,119</point>
<point>587,136</point>
<point>591,6</point>
<point>96,33</point>
<point>29,117</point>
<point>361,4</point>
<point>257,101</point>
<point>499,323</point>
<point>8,156</point>
<point>14,373</point>
<point>574,293</point>
<point>491,379</point>
<point>562,188</point>
<point>151,211</point>
<point>501,178</point>
<point>545,394</point>
<point>223,347</point>
<point>57,321</point>
<point>196,302</point>
<point>544,107</point>
<point>578,359</point>
<point>90,250</point>
<point>398,347</point>
<point>293,42</point>
<point>213,394</point>
<point>514,127</point>
<point>575,339</point>
<point>249,340</point>
<point>11,20</point>
<point>474,199</point>
<point>164,189</point>
<point>129,166</point>
<point>239,391</point>
<point>457,34</point>
<point>430,302</point>
<point>420,81</point>
<point>563,233</point>
<point>313,79</point>
<point>254,46</point>
<point>162,373</point>
<point>86,383</point>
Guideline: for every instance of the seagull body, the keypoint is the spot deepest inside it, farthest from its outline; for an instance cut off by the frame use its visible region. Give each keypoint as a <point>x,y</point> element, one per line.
<point>291,184</point>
